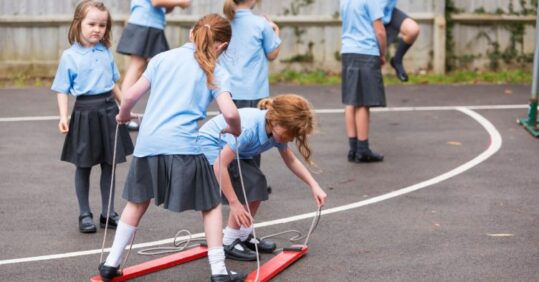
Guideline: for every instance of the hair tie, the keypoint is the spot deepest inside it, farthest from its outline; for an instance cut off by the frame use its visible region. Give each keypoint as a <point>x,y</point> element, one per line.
<point>208,26</point>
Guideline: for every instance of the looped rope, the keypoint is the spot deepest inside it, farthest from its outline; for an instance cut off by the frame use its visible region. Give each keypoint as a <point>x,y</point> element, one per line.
<point>179,245</point>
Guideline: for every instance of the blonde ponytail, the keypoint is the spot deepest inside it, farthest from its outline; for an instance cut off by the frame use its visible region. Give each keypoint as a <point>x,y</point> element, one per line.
<point>208,30</point>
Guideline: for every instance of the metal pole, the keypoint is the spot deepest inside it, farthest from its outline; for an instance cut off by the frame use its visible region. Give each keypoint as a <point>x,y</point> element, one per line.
<point>532,111</point>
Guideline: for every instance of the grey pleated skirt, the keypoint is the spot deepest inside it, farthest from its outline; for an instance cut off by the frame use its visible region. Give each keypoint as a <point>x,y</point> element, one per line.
<point>142,41</point>
<point>90,140</point>
<point>362,81</point>
<point>178,182</point>
<point>256,186</point>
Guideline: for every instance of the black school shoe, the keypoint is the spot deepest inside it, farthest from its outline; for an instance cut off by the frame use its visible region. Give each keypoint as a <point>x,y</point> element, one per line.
<point>368,157</point>
<point>108,273</point>
<point>114,218</point>
<point>242,255</point>
<point>86,223</point>
<point>399,70</point>
<point>230,277</point>
<point>264,246</point>
<point>351,156</point>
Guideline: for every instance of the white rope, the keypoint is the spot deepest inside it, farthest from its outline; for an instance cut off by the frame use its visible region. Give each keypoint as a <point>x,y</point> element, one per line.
<point>249,211</point>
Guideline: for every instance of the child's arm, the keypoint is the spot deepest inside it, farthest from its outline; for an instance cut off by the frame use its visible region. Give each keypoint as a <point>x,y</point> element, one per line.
<point>117,94</point>
<point>230,113</point>
<point>237,211</point>
<point>380,31</point>
<point>172,3</point>
<point>275,53</point>
<point>301,171</point>
<point>130,98</point>
<point>63,125</point>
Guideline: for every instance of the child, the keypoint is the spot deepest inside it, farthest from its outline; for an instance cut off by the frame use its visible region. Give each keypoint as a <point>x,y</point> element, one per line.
<point>395,22</point>
<point>88,72</point>
<point>144,37</point>
<point>168,165</point>
<point>280,120</point>
<point>363,53</point>
<point>255,41</point>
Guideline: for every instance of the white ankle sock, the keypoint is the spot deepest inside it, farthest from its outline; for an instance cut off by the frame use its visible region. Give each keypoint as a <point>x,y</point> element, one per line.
<point>229,235</point>
<point>216,257</point>
<point>123,236</point>
<point>245,232</point>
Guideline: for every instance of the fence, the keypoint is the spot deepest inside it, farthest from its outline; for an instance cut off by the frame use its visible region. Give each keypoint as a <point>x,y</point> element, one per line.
<point>34,32</point>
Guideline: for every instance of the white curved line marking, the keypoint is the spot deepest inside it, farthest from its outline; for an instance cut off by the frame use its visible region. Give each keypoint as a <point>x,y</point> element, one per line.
<point>495,145</point>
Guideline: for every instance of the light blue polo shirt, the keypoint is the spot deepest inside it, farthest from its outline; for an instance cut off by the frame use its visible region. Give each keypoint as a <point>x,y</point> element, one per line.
<point>358,35</point>
<point>179,98</point>
<point>388,5</point>
<point>245,58</point>
<point>145,14</point>
<point>252,141</point>
<point>85,71</point>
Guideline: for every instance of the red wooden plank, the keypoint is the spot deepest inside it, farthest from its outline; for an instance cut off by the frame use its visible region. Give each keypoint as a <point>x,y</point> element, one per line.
<point>278,263</point>
<point>158,264</point>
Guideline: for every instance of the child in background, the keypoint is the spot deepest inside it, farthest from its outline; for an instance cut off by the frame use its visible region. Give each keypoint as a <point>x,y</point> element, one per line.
<point>168,165</point>
<point>363,54</point>
<point>280,120</point>
<point>144,37</point>
<point>255,42</point>
<point>88,72</point>
<point>395,22</point>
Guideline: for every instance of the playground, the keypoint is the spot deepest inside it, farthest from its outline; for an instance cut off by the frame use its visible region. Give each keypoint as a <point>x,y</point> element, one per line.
<point>455,199</point>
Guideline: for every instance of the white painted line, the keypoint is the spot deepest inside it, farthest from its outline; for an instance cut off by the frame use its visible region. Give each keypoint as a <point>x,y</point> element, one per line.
<point>325,111</point>
<point>494,146</point>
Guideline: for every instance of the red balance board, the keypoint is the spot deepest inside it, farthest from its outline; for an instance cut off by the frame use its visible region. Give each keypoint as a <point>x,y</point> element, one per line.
<point>158,264</point>
<point>278,263</point>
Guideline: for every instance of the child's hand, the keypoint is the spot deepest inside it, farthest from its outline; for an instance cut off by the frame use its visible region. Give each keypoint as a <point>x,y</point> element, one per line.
<point>63,125</point>
<point>240,215</point>
<point>229,130</point>
<point>319,196</point>
<point>123,117</point>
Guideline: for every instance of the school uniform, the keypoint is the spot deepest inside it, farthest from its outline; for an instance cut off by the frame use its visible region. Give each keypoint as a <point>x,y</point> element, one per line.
<point>144,34</point>
<point>393,18</point>
<point>90,74</point>
<point>253,141</point>
<point>168,164</point>
<point>245,58</point>
<point>362,81</point>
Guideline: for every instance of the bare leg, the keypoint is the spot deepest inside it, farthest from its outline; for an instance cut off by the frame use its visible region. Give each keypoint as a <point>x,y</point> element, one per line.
<point>213,226</point>
<point>135,69</point>
<point>362,118</point>
<point>409,31</point>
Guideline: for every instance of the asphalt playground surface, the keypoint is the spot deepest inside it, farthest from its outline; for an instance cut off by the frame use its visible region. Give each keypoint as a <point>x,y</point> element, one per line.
<point>456,198</point>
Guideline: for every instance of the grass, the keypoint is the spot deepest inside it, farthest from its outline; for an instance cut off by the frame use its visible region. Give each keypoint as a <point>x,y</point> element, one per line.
<point>457,77</point>
<point>319,77</point>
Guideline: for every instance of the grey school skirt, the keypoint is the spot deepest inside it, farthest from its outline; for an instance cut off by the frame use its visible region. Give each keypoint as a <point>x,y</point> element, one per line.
<point>178,182</point>
<point>362,81</point>
<point>142,41</point>
<point>256,186</point>
<point>90,140</point>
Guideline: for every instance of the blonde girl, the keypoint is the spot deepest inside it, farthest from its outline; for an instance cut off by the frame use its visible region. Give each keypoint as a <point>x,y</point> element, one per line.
<point>168,165</point>
<point>278,121</point>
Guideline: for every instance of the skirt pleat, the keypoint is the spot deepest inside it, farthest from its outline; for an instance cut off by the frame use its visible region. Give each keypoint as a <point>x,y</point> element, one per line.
<point>178,182</point>
<point>90,140</point>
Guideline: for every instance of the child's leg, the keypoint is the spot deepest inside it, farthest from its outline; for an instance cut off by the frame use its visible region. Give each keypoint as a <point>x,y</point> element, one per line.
<point>246,231</point>
<point>125,231</point>
<point>363,152</point>
<point>106,177</point>
<point>213,227</point>
<point>135,69</point>
<point>82,188</point>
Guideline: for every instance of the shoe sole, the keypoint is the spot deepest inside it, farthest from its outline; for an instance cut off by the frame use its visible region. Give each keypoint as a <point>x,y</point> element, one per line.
<point>102,225</point>
<point>88,231</point>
